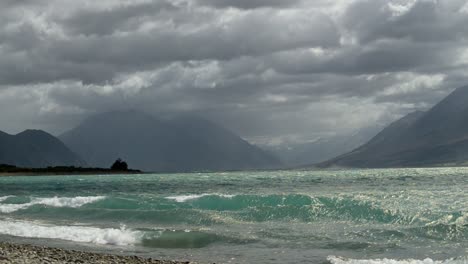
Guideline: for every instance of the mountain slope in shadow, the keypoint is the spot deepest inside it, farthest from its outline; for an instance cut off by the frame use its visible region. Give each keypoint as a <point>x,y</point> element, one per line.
<point>436,137</point>
<point>35,149</point>
<point>181,144</point>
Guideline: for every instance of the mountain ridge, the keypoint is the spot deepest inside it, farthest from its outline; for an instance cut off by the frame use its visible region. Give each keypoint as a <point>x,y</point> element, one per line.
<point>436,137</point>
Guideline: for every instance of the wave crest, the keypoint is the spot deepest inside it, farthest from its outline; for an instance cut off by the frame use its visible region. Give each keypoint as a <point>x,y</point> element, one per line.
<point>73,202</point>
<point>185,198</point>
<point>109,236</point>
<point>294,206</point>
<point>3,198</point>
<point>154,238</point>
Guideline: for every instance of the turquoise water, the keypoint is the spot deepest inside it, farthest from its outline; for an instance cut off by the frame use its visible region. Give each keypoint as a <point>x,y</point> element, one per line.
<point>345,216</point>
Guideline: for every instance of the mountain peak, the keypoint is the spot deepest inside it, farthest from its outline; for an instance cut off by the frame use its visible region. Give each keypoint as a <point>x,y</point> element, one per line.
<point>152,144</point>
<point>120,114</point>
<point>34,132</point>
<point>35,149</point>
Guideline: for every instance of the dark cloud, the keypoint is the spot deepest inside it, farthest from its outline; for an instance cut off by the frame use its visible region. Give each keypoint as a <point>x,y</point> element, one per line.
<point>421,21</point>
<point>19,3</point>
<point>376,58</point>
<point>120,18</point>
<point>248,4</point>
<point>99,55</point>
<point>249,36</point>
<point>262,68</point>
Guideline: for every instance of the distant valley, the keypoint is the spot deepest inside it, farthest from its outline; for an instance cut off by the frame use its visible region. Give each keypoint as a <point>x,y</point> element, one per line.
<point>299,154</point>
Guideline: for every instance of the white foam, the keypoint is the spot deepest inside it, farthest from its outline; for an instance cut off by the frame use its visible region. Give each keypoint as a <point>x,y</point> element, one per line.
<point>184,198</point>
<point>3,198</point>
<point>74,202</point>
<point>340,260</point>
<point>103,236</point>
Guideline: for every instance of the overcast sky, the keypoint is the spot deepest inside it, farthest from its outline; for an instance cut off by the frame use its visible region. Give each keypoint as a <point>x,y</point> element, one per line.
<point>263,68</point>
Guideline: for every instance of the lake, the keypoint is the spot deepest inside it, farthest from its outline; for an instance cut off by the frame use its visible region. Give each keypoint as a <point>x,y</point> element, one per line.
<point>334,216</point>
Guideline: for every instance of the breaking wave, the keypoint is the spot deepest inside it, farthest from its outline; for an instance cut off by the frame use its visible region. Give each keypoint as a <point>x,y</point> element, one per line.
<point>213,209</point>
<point>74,202</point>
<point>110,236</point>
<point>185,198</point>
<point>3,198</point>
<point>200,208</point>
<point>122,236</point>
<point>293,206</point>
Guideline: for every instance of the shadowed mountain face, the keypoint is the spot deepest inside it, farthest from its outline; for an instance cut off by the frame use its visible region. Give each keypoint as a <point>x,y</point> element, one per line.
<point>150,144</point>
<point>35,149</point>
<point>436,137</point>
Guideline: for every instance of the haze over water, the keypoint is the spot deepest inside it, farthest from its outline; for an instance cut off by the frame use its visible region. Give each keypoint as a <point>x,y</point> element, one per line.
<point>248,217</point>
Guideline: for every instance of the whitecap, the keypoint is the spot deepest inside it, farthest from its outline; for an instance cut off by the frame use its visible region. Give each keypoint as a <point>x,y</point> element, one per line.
<point>184,198</point>
<point>73,202</point>
<point>341,260</point>
<point>3,198</point>
<point>83,234</point>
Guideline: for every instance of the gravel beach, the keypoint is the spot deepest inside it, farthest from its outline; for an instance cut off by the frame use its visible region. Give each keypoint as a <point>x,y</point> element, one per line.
<point>27,254</point>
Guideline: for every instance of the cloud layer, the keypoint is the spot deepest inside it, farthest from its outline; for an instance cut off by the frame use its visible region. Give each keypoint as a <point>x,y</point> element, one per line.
<point>263,68</point>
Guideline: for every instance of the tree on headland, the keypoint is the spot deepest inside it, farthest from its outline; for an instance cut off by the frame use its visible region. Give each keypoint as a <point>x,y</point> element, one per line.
<point>119,165</point>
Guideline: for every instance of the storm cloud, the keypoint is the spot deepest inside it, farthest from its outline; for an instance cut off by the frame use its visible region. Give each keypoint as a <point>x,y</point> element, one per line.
<point>264,68</point>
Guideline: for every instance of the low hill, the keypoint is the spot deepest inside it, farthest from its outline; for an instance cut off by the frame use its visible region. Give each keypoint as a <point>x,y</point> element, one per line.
<point>35,149</point>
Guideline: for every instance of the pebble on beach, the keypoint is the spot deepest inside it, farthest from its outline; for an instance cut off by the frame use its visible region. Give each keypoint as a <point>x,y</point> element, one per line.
<point>28,254</point>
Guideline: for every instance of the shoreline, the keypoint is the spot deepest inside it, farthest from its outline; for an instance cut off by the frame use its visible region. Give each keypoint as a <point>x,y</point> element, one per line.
<point>12,253</point>
<point>11,170</point>
<point>12,174</point>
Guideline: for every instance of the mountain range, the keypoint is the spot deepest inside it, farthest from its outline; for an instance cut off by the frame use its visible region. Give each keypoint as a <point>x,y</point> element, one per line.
<point>437,137</point>
<point>177,144</point>
<point>183,143</point>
